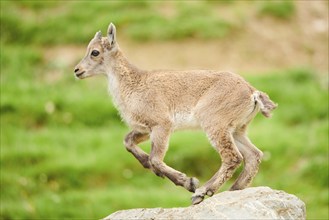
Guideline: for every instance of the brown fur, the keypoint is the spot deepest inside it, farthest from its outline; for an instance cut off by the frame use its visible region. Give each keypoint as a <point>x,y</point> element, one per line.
<point>156,103</point>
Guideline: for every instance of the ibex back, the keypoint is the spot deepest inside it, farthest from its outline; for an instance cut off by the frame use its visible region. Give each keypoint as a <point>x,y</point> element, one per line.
<point>156,103</point>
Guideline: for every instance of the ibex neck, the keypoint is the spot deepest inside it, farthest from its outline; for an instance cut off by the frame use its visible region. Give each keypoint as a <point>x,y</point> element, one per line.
<point>123,77</point>
<point>121,67</point>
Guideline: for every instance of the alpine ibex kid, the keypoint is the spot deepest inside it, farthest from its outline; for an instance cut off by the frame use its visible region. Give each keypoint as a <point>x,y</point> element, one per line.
<point>156,103</point>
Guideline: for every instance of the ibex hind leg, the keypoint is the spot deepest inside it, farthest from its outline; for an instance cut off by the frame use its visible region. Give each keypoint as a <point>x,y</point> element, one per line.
<point>223,142</point>
<point>252,157</point>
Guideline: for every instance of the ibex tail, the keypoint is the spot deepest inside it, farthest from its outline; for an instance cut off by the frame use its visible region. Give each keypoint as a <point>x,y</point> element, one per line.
<point>265,103</point>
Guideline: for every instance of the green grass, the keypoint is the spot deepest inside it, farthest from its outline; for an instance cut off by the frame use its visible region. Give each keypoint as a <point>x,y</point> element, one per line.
<point>140,20</point>
<point>282,9</point>
<point>61,140</point>
<point>35,21</point>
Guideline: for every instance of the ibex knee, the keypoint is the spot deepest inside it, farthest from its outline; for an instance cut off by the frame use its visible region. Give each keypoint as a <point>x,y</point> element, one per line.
<point>253,161</point>
<point>233,160</point>
<point>258,156</point>
<point>156,166</point>
<point>236,159</point>
<point>155,162</point>
<point>129,142</point>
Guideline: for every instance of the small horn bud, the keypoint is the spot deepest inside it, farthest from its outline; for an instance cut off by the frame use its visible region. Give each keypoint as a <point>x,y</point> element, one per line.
<point>98,35</point>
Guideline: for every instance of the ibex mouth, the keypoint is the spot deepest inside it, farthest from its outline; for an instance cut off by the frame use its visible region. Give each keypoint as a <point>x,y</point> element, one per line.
<point>80,74</point>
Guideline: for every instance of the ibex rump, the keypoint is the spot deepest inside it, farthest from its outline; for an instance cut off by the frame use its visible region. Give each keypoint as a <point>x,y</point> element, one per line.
<point>156,103</point>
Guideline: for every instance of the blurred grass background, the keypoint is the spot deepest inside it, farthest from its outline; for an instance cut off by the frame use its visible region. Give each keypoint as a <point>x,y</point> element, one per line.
<point>61,140</point>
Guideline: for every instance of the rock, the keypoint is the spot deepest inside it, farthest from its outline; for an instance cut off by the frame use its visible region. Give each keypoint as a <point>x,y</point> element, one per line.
<point>250,203</point>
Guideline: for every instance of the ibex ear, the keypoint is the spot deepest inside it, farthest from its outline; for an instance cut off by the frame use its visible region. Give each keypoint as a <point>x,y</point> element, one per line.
<point>111,34</point>
<point>98,35</point>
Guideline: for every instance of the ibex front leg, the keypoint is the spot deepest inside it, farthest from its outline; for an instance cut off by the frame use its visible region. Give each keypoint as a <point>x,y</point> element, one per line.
<point>160,139</point>
<point>131,141</point>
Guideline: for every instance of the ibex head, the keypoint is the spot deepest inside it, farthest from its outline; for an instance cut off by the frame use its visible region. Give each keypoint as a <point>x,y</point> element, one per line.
<point>98,49</point>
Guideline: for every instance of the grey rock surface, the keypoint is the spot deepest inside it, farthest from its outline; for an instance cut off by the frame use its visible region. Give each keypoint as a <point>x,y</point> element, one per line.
<point>250,203</point>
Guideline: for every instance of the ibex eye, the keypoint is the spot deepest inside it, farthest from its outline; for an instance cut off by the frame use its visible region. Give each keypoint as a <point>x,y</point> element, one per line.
<point>95,53</point>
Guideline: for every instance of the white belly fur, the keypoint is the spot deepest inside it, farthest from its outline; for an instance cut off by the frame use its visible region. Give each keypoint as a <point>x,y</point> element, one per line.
<point>185,120</point>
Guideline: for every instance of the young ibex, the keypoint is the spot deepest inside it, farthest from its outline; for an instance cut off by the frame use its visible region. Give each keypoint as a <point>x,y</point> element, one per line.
<point>156,103</point>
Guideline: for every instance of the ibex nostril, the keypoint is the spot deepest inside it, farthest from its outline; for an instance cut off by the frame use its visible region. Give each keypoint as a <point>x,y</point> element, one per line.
<point>76,70</point>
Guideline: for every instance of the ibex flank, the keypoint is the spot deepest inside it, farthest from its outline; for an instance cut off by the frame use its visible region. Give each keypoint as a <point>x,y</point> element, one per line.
<point>156,103</point>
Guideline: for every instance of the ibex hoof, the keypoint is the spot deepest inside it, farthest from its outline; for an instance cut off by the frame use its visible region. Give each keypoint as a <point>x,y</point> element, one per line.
<point>236,187</point>
<point>233,188</point>
<point>210,193</point>
<point>193,184</point>
<point>197,199</point>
